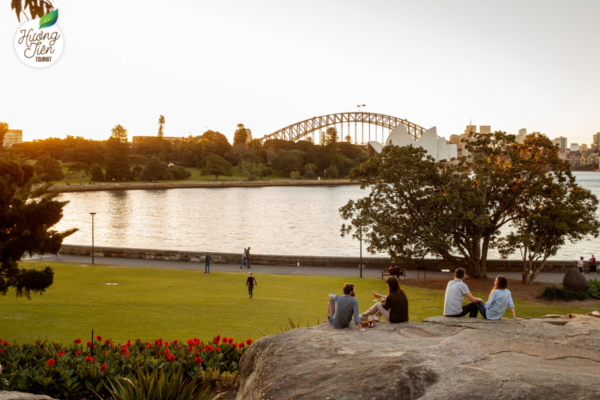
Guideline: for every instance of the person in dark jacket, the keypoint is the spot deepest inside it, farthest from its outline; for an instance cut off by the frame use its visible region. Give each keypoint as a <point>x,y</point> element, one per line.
<point>251,282</point>
<point>207,263</point>
<point>248,256</point>
<point>394,307</point>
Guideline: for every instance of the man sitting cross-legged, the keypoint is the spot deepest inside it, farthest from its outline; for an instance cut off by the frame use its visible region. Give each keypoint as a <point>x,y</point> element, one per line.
<point>455,294</point>
<point>341,309</point>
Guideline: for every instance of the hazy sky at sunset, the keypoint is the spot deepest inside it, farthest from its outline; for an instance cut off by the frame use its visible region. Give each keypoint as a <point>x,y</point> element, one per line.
<point>268,64</point>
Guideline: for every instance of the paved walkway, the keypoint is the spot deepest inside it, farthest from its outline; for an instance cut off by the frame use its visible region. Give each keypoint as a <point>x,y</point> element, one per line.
<point>549,277</point>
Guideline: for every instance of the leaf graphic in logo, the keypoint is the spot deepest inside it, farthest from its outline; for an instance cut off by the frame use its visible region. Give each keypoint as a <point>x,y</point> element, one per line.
<point>49,19</point>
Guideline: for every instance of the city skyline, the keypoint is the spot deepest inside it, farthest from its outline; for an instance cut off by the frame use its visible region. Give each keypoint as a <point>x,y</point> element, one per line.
<point>268,65</point>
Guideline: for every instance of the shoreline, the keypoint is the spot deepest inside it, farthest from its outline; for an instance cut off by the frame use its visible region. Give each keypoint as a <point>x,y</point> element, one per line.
<point>194,185</point>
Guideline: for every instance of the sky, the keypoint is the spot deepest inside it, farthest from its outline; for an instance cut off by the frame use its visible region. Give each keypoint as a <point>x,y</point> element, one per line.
<point>268,64</point>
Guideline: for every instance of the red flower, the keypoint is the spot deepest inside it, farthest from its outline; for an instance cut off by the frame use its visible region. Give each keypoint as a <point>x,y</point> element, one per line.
<point>103,367</point>
<point>203,348</point>
<point>105,351</point>
<point>37,342</point>
<point>218,349</point>
<point>166,344</point>
<point>241,345</point>
<point>198,360</point>
<point>230,340</point>
<point>106,341</point>
<point>89,358</point>
<point>234,346</point>
<point>197,342</point>
<point>77,341</point>
<point>99,338</point>
<point>78,352</point>
<point>195,351</point>
<point>171,357</point>
<point>50,362</point>
<point>129,343</point>
<point>175,341</point>
<point>148,344</point>
<point>1,350</point>
<point>6,343</point>
<point>217,339</point>
<point>89,344</point>
<point>61,353</point>
<point>248,342</point>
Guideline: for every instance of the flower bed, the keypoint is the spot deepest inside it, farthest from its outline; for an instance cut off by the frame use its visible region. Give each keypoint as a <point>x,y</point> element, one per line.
<point>80,369</point>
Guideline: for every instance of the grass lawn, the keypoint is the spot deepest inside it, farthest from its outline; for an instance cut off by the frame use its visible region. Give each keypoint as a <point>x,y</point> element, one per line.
<point>238,175</point>
<point>150,303</point>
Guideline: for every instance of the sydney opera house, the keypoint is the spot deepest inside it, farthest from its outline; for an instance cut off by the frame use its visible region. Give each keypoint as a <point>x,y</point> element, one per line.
<point>436,147</point>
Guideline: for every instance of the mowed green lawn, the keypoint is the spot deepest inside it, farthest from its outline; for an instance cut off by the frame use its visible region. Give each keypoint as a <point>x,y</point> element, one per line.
<point>151,303</point>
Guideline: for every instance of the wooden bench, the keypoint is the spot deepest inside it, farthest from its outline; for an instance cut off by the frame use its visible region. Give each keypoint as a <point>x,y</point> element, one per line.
<point>397,273</point>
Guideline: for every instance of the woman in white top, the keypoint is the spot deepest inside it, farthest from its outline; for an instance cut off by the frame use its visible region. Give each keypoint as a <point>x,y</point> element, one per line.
<point>500,298</point>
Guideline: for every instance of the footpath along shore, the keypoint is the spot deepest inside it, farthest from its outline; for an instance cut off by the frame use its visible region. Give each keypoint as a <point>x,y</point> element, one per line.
<point>193,185</point>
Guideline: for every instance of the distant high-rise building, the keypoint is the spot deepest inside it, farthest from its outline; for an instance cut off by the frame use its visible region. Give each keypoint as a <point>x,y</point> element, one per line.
<point>584,147</point>
<point>561,142</point>
<point>12,137</point>
<point>596,141</point>
<point>574,147</point>
<point>471,129</point>
<point>485,129</point>
<point>521,136</point>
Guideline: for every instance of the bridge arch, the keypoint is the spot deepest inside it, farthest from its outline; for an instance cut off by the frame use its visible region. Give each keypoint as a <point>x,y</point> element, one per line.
<point>302,129</point>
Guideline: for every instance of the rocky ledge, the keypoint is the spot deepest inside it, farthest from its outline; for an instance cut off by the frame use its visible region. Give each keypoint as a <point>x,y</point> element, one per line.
<point>554,357</point>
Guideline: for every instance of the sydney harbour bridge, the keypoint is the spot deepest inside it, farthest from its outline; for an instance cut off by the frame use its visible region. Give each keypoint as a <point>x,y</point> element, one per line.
<point>348,124</point>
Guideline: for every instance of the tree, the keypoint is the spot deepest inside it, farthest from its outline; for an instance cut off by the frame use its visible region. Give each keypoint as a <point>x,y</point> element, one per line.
<point>310,171</point>
<point>216,166</point>
<point>240,135</point>
<point>49,169</point>
<point>418,207</point>
<point>161,125</point>
<point>295,175</point>
<point>155,170</point>
<point>79,168</point>
<point>216,143</point>
<point>117,166</point>
<point>288,162</point>
<point>179,172</point>
<point>348,139</point>
<point>266,172</point>
<point>96,173</point>
<point>252,170</point>
<point>331,136</point>
<point>26,220</point>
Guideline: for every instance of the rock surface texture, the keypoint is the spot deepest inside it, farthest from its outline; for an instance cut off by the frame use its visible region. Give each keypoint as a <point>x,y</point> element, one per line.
<point>575,281</point>
<point>440,358</point>
<point>22,396</point>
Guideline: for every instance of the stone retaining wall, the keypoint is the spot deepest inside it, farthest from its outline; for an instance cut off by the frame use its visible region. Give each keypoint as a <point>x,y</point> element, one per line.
<point>290,260</point>
<point>191,185</point>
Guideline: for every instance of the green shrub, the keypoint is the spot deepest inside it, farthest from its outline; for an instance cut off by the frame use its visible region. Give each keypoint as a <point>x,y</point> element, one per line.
<point>555,293</point>
<point>68,371</point>
<point>594,288</point>
<point>179,173</point>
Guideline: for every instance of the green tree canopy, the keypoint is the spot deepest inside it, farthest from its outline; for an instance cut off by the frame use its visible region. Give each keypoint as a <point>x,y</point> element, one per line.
<point>161,126</point>
<point>49,169</point>
<point>216,142</point>
<point>117,165</point>
<point>240,135</point>
<point>96,173</point>
<point>217,166</point>
<point>155,170</point>
<point>252,170</point>
<point>418,207</point>
<point>26,220</point>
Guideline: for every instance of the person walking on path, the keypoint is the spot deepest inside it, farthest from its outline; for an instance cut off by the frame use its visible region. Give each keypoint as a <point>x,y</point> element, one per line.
<point>580,265</point>
<point>244,259</point>
<point>341,309</point>
<point>250,282</point>
<point>593,265</point>
<point>248,256</point>
<point>455,294</point>
<point>207,263</point>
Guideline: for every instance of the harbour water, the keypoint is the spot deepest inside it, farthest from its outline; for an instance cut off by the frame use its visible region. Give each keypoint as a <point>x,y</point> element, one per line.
<point>272,220</point>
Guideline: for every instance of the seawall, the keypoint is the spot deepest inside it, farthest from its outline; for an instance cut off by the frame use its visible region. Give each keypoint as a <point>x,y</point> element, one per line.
<point>294,260</point>
<point>193,185</point>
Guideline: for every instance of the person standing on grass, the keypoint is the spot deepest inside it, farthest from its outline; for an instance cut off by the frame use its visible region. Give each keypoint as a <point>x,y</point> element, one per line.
<point>593,265</point>
<point>244,260</point>
<point>248,256</point>
<point>499,299</point>
<point>455,294</point>
<point>250,282</point>
<point>207,263</point>
<point>580,265</point>
<point>341,309</point>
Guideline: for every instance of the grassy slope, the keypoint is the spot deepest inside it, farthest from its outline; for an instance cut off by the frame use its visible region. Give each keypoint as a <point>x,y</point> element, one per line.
<point>149,303</point>
<point>73,179</point>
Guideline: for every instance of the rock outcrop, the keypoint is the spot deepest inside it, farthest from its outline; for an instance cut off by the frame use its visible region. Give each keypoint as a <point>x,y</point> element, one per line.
<point>439,358</point>
<point>575,281</point>
<point>22,396</point>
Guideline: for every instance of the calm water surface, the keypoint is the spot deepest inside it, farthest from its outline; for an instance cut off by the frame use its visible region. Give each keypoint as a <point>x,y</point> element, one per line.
<point>272,220</point>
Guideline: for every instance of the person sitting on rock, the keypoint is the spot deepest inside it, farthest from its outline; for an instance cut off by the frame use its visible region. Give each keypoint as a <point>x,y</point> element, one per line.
<point>455,294</point>
<point>341,309</point>
<point>394,306</point>
<point>499,299</point>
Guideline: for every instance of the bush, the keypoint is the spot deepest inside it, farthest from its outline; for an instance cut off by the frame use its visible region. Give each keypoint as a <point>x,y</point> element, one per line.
<point>332,172</point>
<point>71,371</point>
<point>555,293</point>
<point>310,174</point>
<point>179,172</point>
<point>96,173</point>
<point>294,174</point>
<point>594,288</point>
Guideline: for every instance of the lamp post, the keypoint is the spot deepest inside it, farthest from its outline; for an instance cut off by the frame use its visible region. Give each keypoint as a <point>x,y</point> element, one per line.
<point>92,214</point>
